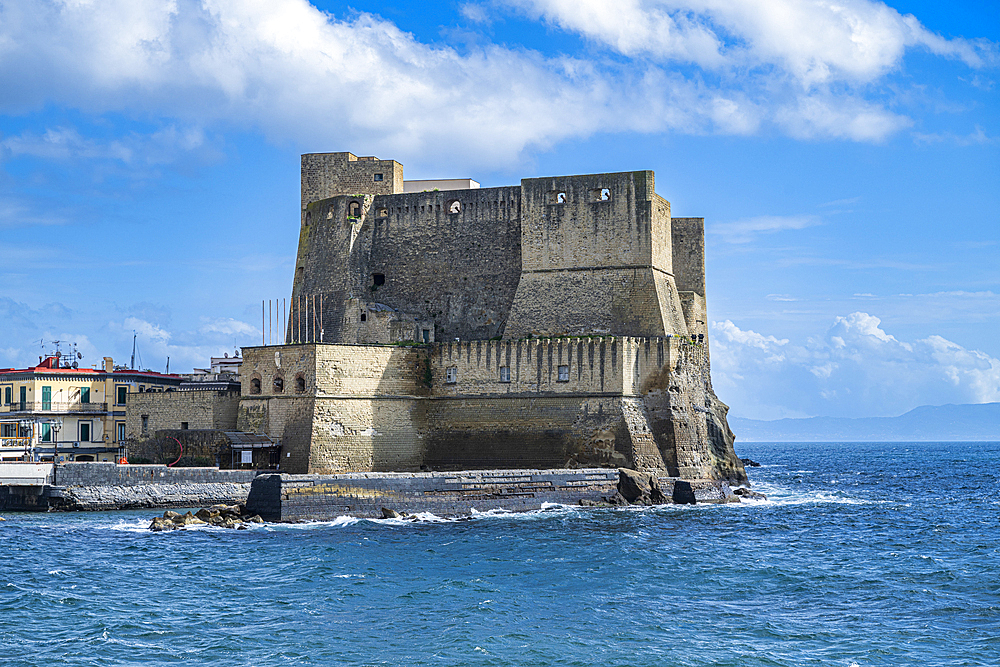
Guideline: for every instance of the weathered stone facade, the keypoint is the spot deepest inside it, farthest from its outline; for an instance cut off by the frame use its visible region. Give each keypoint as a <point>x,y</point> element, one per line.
<point>149,412</point>
<point>559,323</point>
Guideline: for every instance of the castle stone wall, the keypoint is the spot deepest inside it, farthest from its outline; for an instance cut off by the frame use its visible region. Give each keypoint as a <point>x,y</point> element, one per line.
<point>688,249</point>
<point>596,259</point>
<point>327,175</point>
<point>457,271</point>
<point>171,409</point>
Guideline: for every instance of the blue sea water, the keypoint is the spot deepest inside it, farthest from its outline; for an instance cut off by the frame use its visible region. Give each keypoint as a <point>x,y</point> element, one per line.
<point>863,554</point>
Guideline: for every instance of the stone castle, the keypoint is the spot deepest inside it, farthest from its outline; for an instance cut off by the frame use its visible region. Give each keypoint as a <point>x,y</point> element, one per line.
<point>438,325</point>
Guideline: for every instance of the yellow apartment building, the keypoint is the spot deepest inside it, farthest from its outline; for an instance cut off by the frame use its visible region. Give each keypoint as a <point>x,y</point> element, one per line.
<point>55,411</point>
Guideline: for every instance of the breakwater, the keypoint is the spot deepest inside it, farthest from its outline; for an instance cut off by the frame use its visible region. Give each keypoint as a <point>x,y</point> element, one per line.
<point>284,497</point>
<point>109,486</point>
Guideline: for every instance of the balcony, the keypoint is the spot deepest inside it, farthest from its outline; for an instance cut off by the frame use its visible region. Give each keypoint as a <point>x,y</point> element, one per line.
<point>53,407</point>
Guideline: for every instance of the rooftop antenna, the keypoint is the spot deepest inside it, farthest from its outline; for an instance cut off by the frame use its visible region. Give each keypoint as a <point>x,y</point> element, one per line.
<point>134,334</point>
<point>167,372</point>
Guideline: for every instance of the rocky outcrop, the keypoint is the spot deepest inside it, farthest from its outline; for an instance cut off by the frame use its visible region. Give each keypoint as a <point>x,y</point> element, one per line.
<point>222,516</point>
<point>747,494</point>
<point>640,488</point>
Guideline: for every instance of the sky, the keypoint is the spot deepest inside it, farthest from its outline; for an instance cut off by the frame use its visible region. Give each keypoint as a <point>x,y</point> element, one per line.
<point>845,156</point>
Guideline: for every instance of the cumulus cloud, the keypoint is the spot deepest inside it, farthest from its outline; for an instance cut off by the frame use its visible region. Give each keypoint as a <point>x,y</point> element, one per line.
<point>295,73</point>
<point>855,369</point>
<point>186,349</point>
<point>813,41</point>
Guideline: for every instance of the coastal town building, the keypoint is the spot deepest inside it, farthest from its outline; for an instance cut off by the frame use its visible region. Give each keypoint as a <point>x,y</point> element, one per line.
<point>560,322</point>
<point>56,409</point>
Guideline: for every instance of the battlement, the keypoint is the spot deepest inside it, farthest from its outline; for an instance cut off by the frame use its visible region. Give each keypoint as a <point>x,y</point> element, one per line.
<point>591,254</point>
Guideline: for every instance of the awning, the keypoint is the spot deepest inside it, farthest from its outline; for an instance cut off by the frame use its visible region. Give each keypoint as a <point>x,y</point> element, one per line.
<point>241,440</point>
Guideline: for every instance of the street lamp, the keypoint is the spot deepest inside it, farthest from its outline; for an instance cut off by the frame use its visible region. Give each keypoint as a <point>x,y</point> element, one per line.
<point>25,431</point>
<point>55,451</point>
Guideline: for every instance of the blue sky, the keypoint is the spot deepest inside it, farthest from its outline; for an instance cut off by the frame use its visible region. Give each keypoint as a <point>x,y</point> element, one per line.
<point>845,156</point>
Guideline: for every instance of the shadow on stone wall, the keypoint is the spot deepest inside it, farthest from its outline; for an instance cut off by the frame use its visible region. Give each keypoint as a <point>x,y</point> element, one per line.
<point>201,447</point>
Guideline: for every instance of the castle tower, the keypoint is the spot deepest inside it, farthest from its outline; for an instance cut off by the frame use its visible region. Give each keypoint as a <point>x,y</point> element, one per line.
<point>326,175</point>
<point>596,258</point>
<point>687,237</point>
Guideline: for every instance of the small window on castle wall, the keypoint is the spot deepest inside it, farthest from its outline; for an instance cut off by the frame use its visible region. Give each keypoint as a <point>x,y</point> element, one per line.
<point>605,194</point>
<point>564,374</point>
<point>255,386</point>
<point>364,316</point>
<point>505,373</point>
<point>455,207</point>
<point>378,279</point>
<point>279,384</point>
<point>451,375</point>
<point>300,385</point>
<point>378,177</point>
<point>560,197</point>
<point>354,209</point>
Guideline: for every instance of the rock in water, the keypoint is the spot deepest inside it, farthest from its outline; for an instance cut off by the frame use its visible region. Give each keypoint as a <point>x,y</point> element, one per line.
<point>390,514</point>
<point>683,493</point>
<point>747,493</point>
<point>639,488</point>
<point>750,462</point>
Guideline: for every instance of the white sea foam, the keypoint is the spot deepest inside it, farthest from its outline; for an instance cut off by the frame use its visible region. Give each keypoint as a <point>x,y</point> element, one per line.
<point>781,495</point>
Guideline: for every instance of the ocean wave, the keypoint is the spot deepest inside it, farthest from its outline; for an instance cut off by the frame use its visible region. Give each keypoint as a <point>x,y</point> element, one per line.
<point>778,495</point>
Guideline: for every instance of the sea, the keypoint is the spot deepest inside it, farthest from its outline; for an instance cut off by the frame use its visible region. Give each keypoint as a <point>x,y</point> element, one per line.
<point>863,554</point>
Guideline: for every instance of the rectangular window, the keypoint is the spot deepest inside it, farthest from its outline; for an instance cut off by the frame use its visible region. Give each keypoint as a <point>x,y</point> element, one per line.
<point>85,394</point>
<point>378,177</point>
<point>46,432</point>
<point>121,394</point>
<point>8,395</point>
<point>184,426</point>
<point>120,430</point>
<point>505,373</point>
<point>46,398</point>
<point>564,374</point>
<point>426,333</point>
<point>84,431</point>
<point>451,376</point>
<point>145,424</point>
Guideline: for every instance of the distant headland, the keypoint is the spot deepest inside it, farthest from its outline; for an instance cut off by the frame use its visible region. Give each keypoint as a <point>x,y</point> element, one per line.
<point>928,423</point>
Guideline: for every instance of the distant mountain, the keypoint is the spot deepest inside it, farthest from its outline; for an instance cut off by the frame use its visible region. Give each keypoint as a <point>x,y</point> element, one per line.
<point>929,422</point>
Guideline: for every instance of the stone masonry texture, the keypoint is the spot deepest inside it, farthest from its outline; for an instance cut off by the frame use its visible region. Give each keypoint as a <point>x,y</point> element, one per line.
<point>559,323</point>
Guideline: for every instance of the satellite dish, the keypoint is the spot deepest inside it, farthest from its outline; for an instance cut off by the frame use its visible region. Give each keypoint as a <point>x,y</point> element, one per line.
<point>79,356</point>
<point>76,365</point>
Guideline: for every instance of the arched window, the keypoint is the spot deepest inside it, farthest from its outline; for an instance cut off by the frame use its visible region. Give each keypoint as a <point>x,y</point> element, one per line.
<point>279,384</point>
<point>354,210</point>
<point>255,386</point>
<point>300,384</point>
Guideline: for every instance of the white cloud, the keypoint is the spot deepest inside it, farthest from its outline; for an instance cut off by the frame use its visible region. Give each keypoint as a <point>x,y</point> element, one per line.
<point>746,229</point>
<point>295,73</point>
<point>814,41</point>
<point>186,349</point>
<point>855,369</point>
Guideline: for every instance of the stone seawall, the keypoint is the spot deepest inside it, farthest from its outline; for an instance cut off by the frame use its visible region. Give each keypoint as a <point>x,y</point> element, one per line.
<point>112,474</point>
<point>109,486</point>
<point>292,498</point>
<point>141,496</point>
